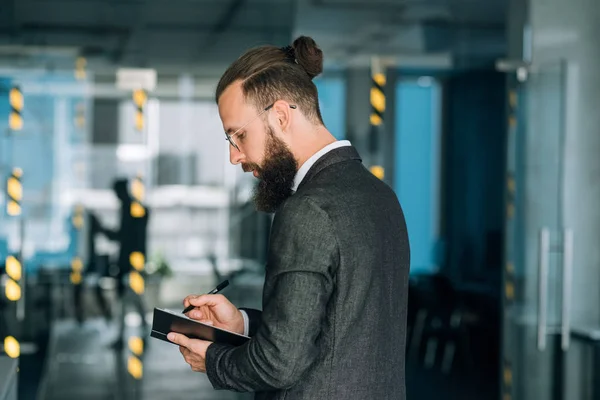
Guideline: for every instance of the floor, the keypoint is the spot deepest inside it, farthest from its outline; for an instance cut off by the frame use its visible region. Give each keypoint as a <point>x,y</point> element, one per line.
<point>433,385</point>
<point>81,364</point>
<point>79,361</point>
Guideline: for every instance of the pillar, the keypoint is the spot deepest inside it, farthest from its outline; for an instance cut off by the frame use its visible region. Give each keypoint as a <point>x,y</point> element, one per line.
<point>359,130</point>
<point>358,110</point>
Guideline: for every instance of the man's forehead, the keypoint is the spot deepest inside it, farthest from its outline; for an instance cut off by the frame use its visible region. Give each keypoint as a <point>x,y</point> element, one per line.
<point>232,105</point>
<point>232,92</point>
<point>232,97</point>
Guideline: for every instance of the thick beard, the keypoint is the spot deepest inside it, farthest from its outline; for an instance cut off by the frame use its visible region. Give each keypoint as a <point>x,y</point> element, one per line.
<point>276,175</point>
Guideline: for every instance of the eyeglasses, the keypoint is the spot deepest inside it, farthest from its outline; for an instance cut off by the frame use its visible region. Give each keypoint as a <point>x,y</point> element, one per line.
<point>229,137</point>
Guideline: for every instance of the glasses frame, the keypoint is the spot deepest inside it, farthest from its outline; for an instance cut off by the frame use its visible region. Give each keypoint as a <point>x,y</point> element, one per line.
<point>229,137</point>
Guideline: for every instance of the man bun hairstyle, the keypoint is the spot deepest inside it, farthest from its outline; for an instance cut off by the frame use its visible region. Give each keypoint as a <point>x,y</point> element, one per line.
<point>270,73</point>
<point>308,55</point>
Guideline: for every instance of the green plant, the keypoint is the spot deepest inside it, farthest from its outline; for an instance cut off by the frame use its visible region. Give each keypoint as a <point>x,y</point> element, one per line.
<point>158,266</point>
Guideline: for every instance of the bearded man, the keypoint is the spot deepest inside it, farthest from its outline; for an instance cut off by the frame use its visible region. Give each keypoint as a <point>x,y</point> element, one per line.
<point>333,320</point>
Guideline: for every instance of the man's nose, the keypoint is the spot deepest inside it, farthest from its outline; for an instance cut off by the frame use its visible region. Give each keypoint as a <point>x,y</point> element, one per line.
<point>235,156</point>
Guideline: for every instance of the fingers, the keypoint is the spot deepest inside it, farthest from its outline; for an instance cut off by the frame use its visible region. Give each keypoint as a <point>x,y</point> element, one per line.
<point>195,354</point>
<point>209,300</point>
<point>179,339</point>
<point>200,317</point>
<point>187,356</point>
<point>186,301</point>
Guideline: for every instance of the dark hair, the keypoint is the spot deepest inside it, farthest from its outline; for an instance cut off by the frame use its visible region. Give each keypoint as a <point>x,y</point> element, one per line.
<point>272,73</point>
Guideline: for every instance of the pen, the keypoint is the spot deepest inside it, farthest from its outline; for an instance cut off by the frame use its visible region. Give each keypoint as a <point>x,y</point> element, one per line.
<point>219,287</point>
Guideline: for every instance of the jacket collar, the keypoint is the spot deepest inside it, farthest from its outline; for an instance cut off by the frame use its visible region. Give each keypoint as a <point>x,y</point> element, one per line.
<point>335,156</point>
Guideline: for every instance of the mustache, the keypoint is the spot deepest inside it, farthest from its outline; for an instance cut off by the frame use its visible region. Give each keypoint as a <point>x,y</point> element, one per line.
<point>250,167</point>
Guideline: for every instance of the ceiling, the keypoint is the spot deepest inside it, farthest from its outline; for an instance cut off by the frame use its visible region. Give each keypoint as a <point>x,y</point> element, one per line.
<point>162,34</point>
<point>201,37</point>
<point>354,30</point>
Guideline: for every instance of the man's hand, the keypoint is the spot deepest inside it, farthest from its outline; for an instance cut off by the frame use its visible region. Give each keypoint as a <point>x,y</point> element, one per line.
<point>216,310</point>
<point>193,350</point>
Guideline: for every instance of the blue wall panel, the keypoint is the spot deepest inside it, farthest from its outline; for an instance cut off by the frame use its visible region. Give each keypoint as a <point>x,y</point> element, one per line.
<point>416,173</point>
<point>36,149</point>
<point>332,101</point>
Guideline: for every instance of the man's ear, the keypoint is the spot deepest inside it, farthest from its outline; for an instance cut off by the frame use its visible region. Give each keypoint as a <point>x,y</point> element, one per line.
<point>283,113</point>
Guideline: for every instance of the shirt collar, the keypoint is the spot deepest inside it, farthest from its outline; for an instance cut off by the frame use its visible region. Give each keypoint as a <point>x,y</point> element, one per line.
<point>303,170</point>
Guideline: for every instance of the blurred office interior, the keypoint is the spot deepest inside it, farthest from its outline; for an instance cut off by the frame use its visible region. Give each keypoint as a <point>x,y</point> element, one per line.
<point>479,114</point>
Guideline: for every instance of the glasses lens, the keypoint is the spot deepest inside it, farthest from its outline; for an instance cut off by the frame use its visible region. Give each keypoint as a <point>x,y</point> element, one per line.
<point>232,142</point>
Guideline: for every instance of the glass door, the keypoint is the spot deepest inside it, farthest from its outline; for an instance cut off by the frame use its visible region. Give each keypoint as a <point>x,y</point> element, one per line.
<point>538,247</point>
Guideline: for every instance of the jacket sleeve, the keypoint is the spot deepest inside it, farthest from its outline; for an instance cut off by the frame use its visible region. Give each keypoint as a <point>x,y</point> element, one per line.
<point>253,319</point>
<point>298,285</point>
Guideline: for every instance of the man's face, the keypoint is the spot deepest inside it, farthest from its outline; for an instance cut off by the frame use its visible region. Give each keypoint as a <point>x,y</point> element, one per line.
<point>260,151</point>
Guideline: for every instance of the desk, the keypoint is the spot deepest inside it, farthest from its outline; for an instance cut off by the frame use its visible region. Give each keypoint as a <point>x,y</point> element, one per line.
<point>591,336</point>
<point>8,378</point>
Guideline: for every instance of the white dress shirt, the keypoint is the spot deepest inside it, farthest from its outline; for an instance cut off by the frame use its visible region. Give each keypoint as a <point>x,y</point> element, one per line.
<point>302,171</point>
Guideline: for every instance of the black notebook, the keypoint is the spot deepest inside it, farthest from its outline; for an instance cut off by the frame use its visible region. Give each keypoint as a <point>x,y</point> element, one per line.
<point>166,321</point>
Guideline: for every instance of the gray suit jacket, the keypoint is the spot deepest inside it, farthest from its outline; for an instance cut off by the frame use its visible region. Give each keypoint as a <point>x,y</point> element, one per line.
<point>333,323</point>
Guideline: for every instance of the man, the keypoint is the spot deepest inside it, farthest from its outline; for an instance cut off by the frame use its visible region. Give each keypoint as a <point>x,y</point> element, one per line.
<point>131,235</point>
<point>93,266</point>
<point>335,294</point>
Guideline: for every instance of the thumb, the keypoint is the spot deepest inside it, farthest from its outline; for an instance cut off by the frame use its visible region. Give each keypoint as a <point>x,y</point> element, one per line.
<point>179,339</point>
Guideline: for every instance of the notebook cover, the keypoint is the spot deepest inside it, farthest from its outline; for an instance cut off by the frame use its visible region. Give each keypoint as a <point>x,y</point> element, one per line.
<point>166,321</point>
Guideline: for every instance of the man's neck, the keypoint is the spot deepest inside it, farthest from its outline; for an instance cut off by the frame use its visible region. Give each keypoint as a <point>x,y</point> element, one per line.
<point>318,140</point>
